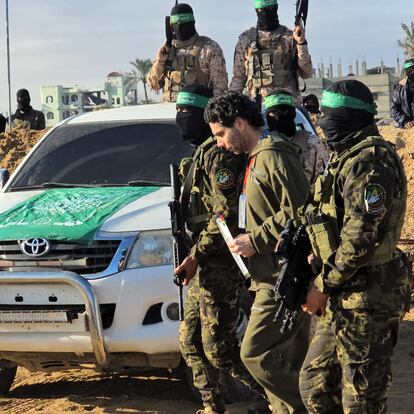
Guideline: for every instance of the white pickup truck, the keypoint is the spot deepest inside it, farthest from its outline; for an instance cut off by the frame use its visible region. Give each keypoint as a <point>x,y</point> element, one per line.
<point>85,246</point>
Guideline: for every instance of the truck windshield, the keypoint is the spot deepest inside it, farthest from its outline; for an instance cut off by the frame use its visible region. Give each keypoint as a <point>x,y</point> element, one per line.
<point>106,153</point>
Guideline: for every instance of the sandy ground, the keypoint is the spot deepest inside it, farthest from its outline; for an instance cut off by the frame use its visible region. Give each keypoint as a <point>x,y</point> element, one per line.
<point>84,391</point>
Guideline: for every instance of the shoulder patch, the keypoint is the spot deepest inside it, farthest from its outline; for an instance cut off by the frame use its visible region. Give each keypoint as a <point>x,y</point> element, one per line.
<point>225,178</point>
<point>374,198</point>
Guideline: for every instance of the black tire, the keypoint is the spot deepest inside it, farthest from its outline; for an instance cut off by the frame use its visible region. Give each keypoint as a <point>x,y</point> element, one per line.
<point>7,376</point>
<point>234,391</point>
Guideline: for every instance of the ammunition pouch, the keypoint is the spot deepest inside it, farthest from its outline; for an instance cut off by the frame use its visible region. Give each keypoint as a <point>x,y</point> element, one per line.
<point>323,236</point>
<point>184,69</point>
<point>268,65</point>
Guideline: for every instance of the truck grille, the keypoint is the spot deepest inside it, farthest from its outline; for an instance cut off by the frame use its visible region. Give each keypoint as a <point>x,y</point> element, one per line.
<point>78,258</point>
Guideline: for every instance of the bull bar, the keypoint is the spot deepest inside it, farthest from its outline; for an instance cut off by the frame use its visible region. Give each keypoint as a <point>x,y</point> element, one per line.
<point>92,310</point>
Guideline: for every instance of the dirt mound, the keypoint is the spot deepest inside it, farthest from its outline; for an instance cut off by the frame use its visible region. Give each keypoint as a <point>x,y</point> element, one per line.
<point>404,141</point>
<point>15,144</point>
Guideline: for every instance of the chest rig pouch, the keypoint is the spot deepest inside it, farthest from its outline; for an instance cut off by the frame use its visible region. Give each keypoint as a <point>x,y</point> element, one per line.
<point>321,218</point>
<point>200,192</point>
<point>184,68</point>
<point>322,211</point>
<point>268,64</point>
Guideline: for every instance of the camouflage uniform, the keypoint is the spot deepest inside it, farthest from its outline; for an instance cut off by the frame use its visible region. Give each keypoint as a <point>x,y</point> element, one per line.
<point>314,156</point>
<point>357,214</point>
<point>208,332</point>
<point>281,71</point>
<point>196,60</point>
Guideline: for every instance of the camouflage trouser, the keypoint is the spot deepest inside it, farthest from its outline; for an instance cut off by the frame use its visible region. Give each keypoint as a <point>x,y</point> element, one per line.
<point>348,367</point>
<point>274,359</point>
<point>208,333</point>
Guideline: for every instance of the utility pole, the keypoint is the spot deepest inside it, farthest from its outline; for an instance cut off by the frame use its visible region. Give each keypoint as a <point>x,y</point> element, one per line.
<point>8,58</point>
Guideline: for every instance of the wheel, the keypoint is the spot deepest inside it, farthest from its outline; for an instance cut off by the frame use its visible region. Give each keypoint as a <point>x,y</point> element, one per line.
<point>233,389</point>
<point>7,376</point>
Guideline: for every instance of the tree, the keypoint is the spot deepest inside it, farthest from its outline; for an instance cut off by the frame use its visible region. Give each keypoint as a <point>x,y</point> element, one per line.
<point>140,72</point>
<point>408,43</point>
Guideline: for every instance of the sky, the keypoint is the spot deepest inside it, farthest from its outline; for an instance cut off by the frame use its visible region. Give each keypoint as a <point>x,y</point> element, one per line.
<point>78,42</point>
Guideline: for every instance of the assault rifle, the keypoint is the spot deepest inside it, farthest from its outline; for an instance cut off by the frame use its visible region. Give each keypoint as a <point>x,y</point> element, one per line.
<point>293,282</point>
<point>301,15</point>
<point>180,245</point>
<point>169,32</point>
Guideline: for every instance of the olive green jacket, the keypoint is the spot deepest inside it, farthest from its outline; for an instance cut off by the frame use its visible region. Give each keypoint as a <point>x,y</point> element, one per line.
<point>275,188</point>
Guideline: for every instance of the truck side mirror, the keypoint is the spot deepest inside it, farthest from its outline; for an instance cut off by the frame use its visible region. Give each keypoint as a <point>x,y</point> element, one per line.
<point>4,177</point>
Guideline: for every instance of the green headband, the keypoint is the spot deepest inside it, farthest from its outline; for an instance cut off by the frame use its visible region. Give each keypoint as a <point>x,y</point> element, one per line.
<point>261,4</point>
<point>337,100</point>
<point>182,18</point>
<point>279,99</point>
<point>191,99</point>
<point>408,64</point>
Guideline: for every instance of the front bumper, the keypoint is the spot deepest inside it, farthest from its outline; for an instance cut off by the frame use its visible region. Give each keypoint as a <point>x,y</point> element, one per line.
<point>133,291</point>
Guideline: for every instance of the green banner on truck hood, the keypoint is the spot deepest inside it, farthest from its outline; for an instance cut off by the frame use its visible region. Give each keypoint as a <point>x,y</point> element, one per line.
<point>70,214</point>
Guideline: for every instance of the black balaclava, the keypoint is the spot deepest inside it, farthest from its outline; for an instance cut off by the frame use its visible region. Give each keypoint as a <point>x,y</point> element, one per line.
<point>283,120</point>
<point>311,103</point>
<point>191,124</point>
<point>185,30</point>
<point>282,106</point>
<point>267,19</point>
<point>410,76</point>
<point>338,123</point>
<point>23,100</point>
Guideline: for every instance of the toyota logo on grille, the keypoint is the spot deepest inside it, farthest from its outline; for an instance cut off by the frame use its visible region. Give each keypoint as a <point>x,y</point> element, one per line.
<point>35,247</point>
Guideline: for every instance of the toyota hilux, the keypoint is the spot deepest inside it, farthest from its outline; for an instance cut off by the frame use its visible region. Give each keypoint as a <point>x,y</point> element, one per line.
<point>86,249</point>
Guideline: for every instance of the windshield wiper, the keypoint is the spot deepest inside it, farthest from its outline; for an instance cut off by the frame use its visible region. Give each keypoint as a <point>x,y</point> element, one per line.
<point>147,183</point>
<point>50,185</point>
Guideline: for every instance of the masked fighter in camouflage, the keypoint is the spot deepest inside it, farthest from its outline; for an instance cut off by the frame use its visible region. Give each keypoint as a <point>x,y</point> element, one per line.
<point>280,116</point>
<point>212,185</point>
<point>191,59</point>
<point>270,56</point>
<point>355,216</point>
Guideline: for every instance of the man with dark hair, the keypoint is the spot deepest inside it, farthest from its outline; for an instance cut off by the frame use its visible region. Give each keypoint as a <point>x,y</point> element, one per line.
<point>212,185</point>
<point>270,56</point>
<point>354,219</point>
<point>274,187</point>
<point>25,116</point>
<point>191,59</point>
<point>402,105</point>
<point>280,114</point>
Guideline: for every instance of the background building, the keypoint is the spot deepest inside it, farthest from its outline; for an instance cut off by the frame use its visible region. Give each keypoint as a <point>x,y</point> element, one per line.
<point>59,102</point>
<point>381,80</point>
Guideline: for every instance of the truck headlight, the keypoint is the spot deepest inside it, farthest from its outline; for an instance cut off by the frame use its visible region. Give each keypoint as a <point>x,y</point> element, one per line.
<point>150,249</point>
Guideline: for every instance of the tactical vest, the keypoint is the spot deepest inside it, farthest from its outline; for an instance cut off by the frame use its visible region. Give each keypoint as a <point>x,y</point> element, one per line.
<point>321,213</point>
<point>197,214</point>
<point>268,65</point>
<point>183,68</point>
